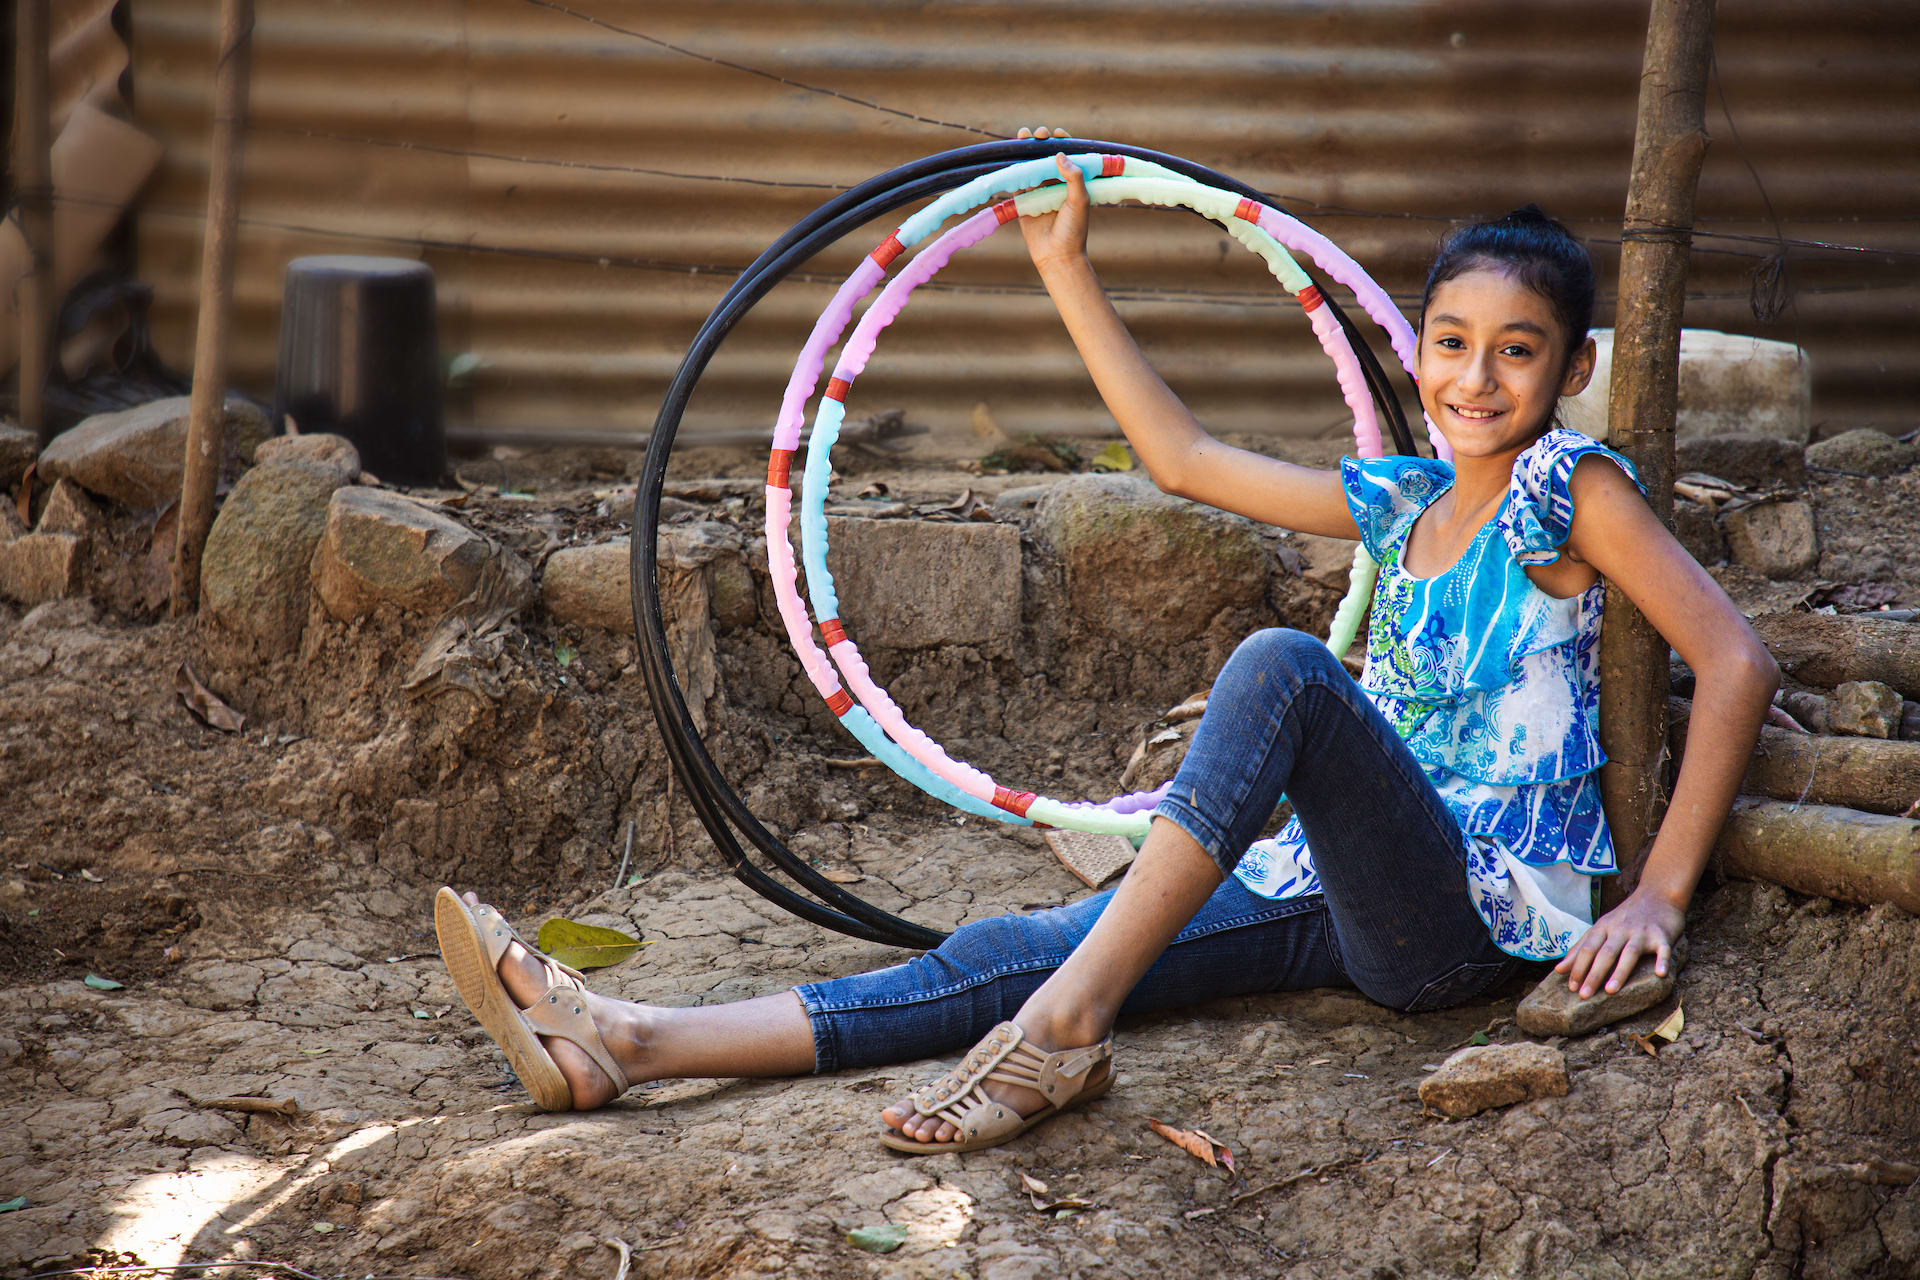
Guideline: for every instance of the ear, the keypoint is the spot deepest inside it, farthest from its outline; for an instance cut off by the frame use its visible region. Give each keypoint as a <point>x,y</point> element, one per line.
<point>1580,369</point>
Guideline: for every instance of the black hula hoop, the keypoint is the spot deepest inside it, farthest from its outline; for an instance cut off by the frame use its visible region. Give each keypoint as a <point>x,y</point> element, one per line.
<point>720,809</point>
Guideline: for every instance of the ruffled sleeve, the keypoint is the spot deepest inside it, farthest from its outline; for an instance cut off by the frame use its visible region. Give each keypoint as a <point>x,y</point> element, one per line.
<point>1387,494</point>
<point>1537,517</point>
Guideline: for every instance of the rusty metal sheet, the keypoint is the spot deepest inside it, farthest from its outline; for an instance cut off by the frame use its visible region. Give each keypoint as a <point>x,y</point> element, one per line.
<point>529,157</point>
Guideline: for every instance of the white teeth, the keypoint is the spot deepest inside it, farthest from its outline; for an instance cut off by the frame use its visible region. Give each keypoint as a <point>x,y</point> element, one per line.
<point>1477,413</point>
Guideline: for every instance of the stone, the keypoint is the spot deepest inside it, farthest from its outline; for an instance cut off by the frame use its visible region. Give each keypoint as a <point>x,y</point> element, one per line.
<point>920,584</point>
<point>69,510</point>
<point>384,550</point>
<point>1699,532</point>
<point>1730,384</point>
<point>1552,1010</point>
<point>1143,567</point>
<point>1326,561</point>
<point>1863,451</point>
<point>18,448</point>
<point>592,585</point>
<point>1865,709</point>
<point>1775,539</point>
<point>1760,462</point>
<point>11,526</point>
<point>37,567</point>
<point>321,449</point>
<point>255,573</point>
<point>1479,1077</point>
<point>137,456</point>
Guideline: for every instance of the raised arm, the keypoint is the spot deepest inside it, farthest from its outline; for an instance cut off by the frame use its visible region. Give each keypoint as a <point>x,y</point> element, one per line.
<point>1616,532</point>
<point>1178,453</point>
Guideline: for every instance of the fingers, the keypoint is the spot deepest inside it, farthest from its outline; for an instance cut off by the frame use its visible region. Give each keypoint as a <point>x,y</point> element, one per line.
<point>1042,133</point>
<point>1623,969</point>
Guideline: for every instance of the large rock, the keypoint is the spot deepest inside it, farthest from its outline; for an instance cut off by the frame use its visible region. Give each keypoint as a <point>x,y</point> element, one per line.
<point>1863,451</point>
<point>1552,1010</point>
<point>36,567</point>
<point>1730,384</point>
<point>69,510</point>
<point>1697,530</point>
<point>1865,708</point>
<point>918,584</point>
<point>1772,538</point>
<point>321,449</point>
<point>137,456</point>
<point>1494,1075</point>
<point>18,448</point>
<point>256,569</point>
<point>384,550</point>
<point>1762,462</point>
<point>1143,567</point>
<point>590,586</point>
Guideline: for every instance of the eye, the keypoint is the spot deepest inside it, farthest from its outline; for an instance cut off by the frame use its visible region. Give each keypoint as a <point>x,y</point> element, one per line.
<point>1450,343</point>
<point>1516,350</point>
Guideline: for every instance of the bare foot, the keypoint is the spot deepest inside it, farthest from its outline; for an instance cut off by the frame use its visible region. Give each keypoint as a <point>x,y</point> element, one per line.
<point>626,1029</point>
<point>1045,1032</point>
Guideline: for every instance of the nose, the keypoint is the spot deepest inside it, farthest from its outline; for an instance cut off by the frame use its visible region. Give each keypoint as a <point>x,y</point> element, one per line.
<point>1479,373</point>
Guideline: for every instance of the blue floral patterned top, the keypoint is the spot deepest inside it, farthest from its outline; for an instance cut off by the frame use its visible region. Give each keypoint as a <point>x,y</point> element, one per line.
<point>1494,685</point>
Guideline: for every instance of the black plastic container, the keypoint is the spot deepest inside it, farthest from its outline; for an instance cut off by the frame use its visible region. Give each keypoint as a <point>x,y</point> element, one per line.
<point>360,357</point>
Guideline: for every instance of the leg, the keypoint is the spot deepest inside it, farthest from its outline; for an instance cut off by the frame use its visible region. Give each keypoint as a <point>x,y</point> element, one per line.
<point>1390,855</point>
<point>769,1036</point>
<point>1283,717</point>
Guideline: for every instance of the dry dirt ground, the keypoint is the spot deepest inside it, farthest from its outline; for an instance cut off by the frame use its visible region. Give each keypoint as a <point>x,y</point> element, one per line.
<point>264,897</point>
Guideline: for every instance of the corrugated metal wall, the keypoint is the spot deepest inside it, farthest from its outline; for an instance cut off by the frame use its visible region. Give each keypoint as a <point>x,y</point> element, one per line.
<point>1418,109</point>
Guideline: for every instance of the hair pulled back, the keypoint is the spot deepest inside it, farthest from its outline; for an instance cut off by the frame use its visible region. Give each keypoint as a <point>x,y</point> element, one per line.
<point>1535,250</point>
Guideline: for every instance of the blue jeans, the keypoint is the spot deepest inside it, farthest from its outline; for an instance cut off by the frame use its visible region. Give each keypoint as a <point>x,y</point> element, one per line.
<point>1393,918</point>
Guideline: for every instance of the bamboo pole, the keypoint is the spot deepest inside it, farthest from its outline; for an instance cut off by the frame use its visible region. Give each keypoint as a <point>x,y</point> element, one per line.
<point>33,190</point>
<point>1669,145</point>
<point>206,414</point>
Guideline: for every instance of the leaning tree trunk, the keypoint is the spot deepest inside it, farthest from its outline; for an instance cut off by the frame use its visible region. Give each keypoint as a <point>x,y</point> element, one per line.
<point>1669,145</point>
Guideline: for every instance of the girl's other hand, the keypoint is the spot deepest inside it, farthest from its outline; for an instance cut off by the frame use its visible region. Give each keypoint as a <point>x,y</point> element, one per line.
<point>1057,238</point>
<point>1610,949</point>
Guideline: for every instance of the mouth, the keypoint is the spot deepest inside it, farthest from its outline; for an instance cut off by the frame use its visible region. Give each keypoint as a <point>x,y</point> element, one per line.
<point>1473,413</point>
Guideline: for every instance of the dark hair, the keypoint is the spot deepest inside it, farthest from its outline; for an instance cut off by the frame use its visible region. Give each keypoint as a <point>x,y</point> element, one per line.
<point>1537,251</point>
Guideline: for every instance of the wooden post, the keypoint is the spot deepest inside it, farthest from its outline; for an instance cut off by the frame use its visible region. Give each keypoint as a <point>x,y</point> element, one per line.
<point>206,414</point>
<point>1669,145</point>
<point>33,189</point>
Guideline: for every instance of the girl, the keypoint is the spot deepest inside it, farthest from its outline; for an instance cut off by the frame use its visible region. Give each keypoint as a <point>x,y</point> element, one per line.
<point>1448,814</point>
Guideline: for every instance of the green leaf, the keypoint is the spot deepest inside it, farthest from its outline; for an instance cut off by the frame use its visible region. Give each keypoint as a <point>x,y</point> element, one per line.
<point>564,654</point>
<point>99,983</point>
<point>421,1013</point>
<point>881,1239</point>
<point>324,1228</point>
<point>585,946</point>
<point>1479,1037</point>
<point>8,1206</point>
<point>461,368</point>
<point>1115,457</point>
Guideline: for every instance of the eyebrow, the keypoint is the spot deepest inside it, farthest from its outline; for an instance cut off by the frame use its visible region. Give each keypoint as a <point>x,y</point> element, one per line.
<point>1524,326</point>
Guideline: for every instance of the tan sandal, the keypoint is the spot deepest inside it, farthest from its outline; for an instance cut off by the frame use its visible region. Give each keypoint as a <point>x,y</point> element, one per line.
<point>1066,1079</point>
<point>472,940</point>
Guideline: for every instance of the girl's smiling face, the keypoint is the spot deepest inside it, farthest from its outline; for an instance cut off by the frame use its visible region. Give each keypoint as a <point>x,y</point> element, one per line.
<point>1493,362</point>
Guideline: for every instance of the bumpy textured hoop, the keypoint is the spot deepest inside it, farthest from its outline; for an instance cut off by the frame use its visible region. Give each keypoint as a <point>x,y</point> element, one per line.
<point>876,721</point>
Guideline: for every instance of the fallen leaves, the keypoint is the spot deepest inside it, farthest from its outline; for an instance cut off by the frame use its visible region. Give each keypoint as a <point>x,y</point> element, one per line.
<point>8,1206</point>
<point>205,705</point>
<point>285,1107</point>
<point>1666,1033</point>
<point>881,1239</point>
<point>1046,1202</point>
<point>1198,1143</point>
<point>586,946</point>
<point>1115,457</point>
<point>99,983</point>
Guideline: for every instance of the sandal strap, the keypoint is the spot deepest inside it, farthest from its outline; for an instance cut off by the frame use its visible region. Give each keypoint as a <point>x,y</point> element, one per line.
<point>496,934</point>
<point>562,1012</point>
<point>1006,1058</point>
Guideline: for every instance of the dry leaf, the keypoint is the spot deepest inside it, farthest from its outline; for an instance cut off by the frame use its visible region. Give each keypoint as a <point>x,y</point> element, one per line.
<point>1671,1028</point>
<point>843,877</point>
<point>1645,1042</point>
<point>586,946</point>
<point>204,703</point>
<point>1060,1206</point>
<point>986,430</point>
<point>258,1106</point>
<point>1197,1143</point>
